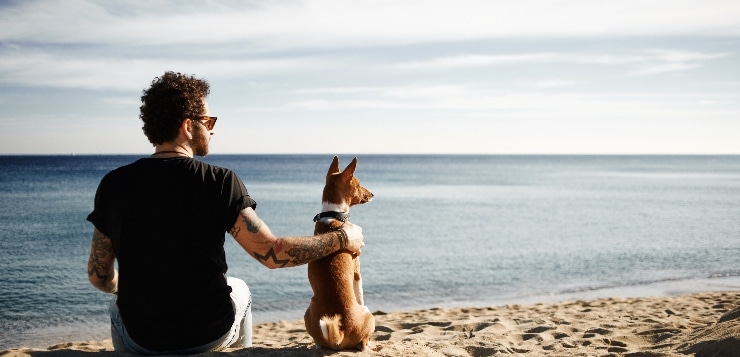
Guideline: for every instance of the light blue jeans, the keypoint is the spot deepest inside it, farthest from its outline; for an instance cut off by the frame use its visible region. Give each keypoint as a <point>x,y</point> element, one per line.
<point>239,336</point>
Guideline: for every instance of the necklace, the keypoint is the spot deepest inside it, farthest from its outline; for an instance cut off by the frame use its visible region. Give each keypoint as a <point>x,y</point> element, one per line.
<point>171,152</point>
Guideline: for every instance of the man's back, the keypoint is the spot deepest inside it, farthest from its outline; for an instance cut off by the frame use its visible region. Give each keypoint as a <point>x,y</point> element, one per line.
<point>166,219</point>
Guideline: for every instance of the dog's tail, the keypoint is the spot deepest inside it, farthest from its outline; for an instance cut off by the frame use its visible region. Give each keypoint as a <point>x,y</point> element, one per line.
<point>331,330</point>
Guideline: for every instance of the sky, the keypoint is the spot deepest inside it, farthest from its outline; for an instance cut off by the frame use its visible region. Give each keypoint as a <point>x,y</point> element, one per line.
<point>379,76</point>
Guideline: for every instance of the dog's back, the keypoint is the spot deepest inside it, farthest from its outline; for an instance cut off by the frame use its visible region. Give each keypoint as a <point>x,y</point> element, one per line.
<point>336,317</point>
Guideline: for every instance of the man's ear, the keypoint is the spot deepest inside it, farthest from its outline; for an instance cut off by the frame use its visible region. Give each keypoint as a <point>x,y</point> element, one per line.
<point>186,128</point>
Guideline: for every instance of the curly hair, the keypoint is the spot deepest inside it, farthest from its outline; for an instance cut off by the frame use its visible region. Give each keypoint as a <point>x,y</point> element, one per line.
<point>171,99</point>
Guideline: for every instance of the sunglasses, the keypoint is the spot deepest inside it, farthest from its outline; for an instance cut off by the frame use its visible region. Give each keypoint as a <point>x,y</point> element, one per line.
<point>209,122</point>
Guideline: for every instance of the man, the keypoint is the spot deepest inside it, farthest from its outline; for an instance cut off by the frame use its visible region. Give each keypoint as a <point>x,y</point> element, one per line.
<point>163,219</point>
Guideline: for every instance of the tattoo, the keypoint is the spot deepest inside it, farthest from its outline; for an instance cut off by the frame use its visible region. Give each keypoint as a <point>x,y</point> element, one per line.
<point>271,255</point>
<point>234,231</point>
<point>253,223</point>
<point>100,263</point>
<point>319,246</point>
<point>101,249</point>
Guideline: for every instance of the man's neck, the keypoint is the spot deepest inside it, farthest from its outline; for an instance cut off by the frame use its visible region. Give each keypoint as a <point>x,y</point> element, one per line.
<point>172,150</point>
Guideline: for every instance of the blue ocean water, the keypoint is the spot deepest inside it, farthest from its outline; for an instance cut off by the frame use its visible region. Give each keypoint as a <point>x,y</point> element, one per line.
<point>442,231</point>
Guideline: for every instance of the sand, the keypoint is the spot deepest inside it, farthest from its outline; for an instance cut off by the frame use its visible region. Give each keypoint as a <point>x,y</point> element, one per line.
<point>701,324</point>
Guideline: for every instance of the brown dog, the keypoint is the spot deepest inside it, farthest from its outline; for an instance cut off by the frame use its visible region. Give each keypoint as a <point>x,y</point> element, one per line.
<point>337,317</point>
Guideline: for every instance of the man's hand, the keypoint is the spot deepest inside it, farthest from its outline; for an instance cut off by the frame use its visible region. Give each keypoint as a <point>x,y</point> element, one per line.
<point>355,239</point>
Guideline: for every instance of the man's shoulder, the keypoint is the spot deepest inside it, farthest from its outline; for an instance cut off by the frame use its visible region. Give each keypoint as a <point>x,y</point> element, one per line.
<point>208,167</point>
<point>125,169</point>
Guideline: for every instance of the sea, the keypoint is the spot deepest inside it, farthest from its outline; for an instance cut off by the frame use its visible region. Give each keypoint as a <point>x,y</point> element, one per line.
<point>442,231</point>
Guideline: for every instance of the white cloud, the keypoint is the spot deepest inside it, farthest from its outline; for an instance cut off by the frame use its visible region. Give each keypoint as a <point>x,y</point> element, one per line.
<point>664,68</point>
<point>332,23</point>
<point>555,83</point>
<point>335,90</point>
<point>659,61</point>
<point>112,45</point>
<point>466,61</point>
<point>471,101</point>
<point>652,61</point>
<point>36,67</point>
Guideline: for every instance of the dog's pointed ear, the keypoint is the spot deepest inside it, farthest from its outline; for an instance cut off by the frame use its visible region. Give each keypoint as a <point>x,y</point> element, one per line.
<point>350,170</point>
<point>334,167</point>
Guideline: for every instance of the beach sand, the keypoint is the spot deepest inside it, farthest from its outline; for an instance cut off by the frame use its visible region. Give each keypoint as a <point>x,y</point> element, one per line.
<point>701,324</point>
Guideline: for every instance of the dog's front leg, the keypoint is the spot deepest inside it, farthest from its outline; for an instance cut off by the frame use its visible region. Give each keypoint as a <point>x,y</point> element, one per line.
<point>357,283</point>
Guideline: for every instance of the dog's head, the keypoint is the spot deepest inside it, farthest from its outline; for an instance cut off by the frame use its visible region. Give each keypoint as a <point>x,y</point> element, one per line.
<point>343,188</point>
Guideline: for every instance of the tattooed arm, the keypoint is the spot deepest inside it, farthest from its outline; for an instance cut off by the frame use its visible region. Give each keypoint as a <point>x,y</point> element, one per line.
<point>100,269</point>
<point>273,252</point>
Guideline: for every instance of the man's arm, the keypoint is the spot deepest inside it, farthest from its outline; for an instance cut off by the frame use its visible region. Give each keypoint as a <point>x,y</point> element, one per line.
<point>100,269</point>
<point>273,252</point>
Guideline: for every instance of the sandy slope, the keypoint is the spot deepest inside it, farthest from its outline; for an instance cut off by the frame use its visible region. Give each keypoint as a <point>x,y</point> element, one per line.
<point>702,324</point>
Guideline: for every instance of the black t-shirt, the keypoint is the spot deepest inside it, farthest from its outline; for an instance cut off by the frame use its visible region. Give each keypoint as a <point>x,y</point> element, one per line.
<point>167,220</point>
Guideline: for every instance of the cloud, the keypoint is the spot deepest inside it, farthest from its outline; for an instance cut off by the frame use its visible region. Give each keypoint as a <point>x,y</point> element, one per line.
<point>335,90</point>
<point>555,83</point>
<point>664,68</point>
<point>652,61</point>
<point>100,71</point>
<point>120,45</point>
<point>659,61</point>
<point>467,100</point>
<point>339,23</point>
<point>467,61</point>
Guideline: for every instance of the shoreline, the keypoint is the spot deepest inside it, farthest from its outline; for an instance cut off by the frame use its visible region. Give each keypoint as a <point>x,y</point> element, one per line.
<point>704,322</point>
<point>662,288</point>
